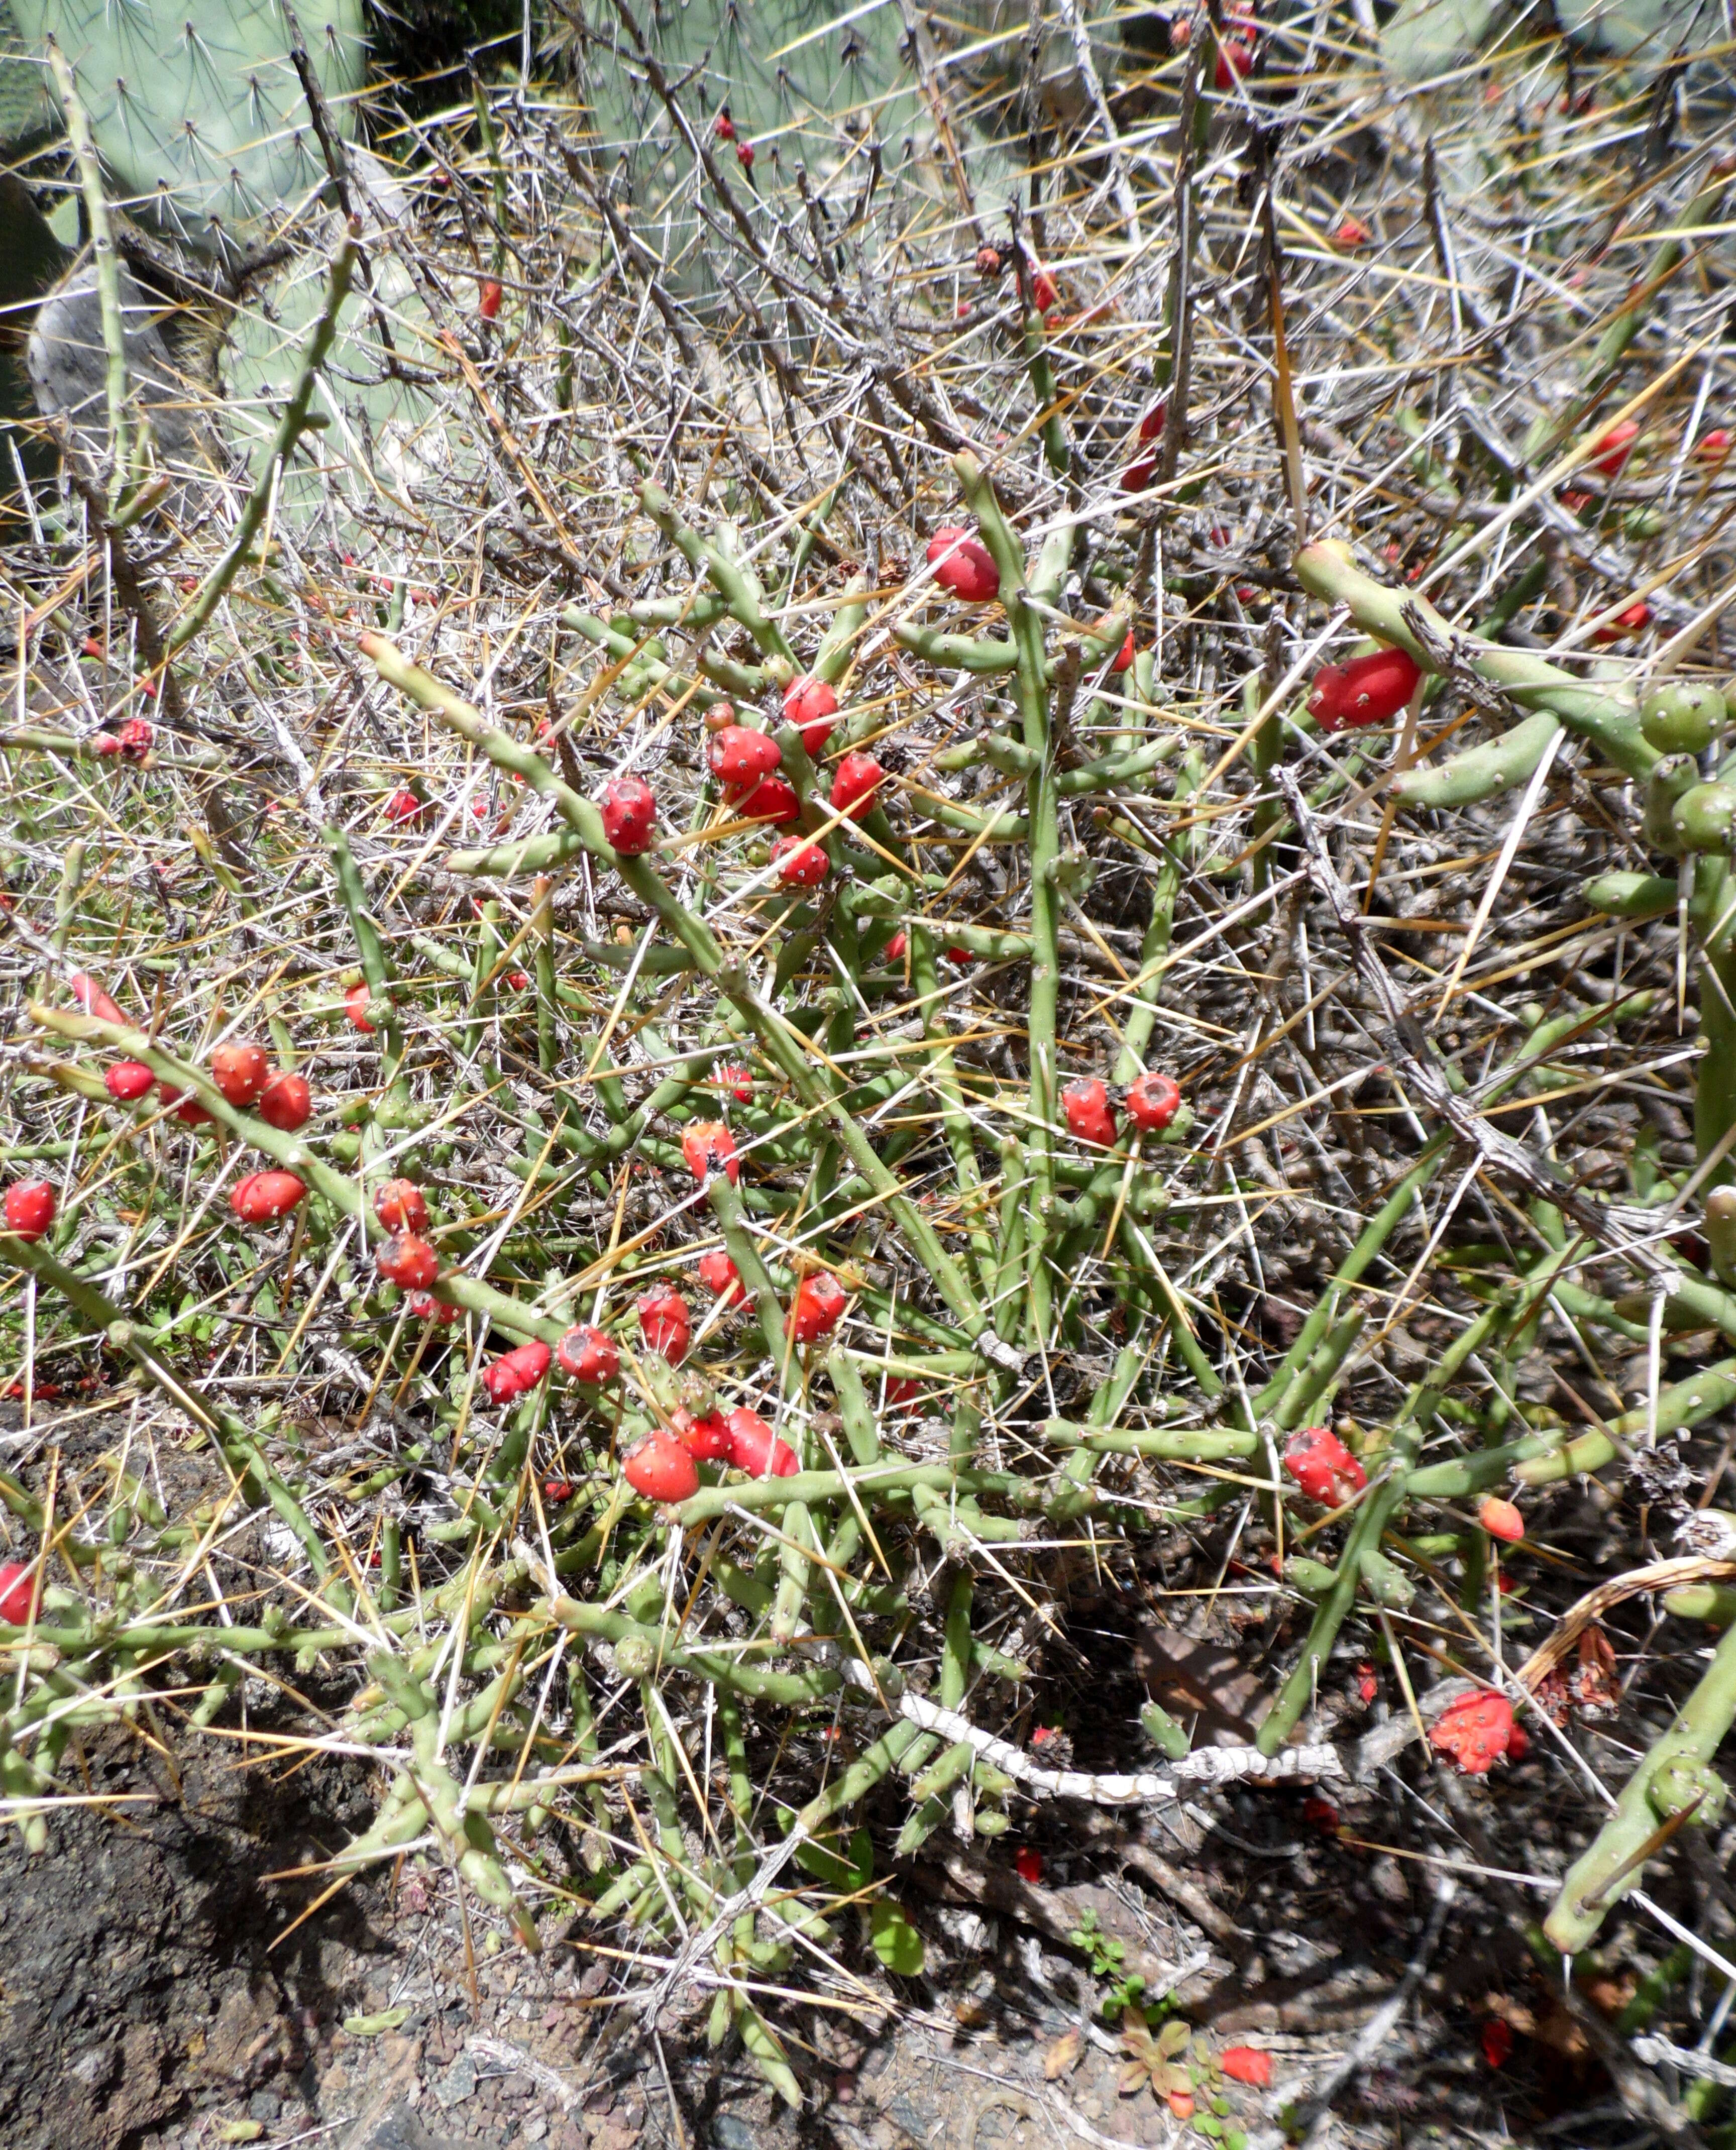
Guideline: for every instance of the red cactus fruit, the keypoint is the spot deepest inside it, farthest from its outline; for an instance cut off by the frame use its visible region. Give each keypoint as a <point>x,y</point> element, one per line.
<point>961,564</point>
<point>488,304</point>
<point>1496,2039</point>
<point>356,1006</point>
<point>404,1259</point>
<point>818,1307</point>
<point>706,1438</point>
<point>185,1105</point>
<point>30,1207</point>
<point>1367,690</point>
<point>721,1277</point>
<point>744,153</point>
<point>799,864</point>
<point>17,1584</point>
<point>811,705</point>
<point>717,716</point>
<point>515,1373</point>
<point>424,1307</point>
<point>1235,59</point>
<point>737,756</point>
<point>896,947</point>
<point>725,126</point>
<point>90,998</point>
<point>1090,1115</point>
<point>587,1355</point>
<point>403,806</point>
<point>1154,1101</point>
<point>557,1491</point>
<point>1151,426</point>
<point>988,262</point>
<point>1323,1466</point>
<point>771,800</point>
<point>1635,620</point>
<point>630,815</point>
<point>287,1103</point>
<point>854,781</point>
<point>1138,477</point>
<point>1044,296</point>
<point>1474,1732</point>
<point>662,1470</point>
<point>240,1072</point>
<point>1028,1865</point>
<point>1611,450</point>
<point>1713,447</point>
<point>708,1147</point>
<point>1320,1814</point>
<point>263,1197</point>
<point>754,1448</point>
<point>128,1080</point>
<point>1501,1520</point>
<point>1351,232</point>
<point>400,1206</point>
<point>734,1080</point>
<point>665,1324</point>
<point>135,737</point>
<point>1247,2064</point>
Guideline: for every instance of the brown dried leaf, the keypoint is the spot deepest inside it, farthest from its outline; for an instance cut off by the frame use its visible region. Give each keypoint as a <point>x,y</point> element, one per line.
<point>1062,2057</point>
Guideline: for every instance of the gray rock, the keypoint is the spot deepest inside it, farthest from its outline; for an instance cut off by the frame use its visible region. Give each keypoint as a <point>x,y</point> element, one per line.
<point>395,2127</point>
<point>68,369</point>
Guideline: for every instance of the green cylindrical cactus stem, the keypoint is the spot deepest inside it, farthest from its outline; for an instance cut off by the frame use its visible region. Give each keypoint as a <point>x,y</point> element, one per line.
<point>1702,817</point>
<point>961,1137</point>
<point>732,583</point>
<point>1055,449</point>
<point>796,1576</point>
<point>1719,1225</point>
<point>1681,717</point>
<point>1200,1444</point>
<point>542,945</point>
<point>1113,772</point>
<point>1610,1866</point>
<point>370,947</point>
<point>764,2048</point>
<point>1144,1261</point>
<point>726,1206</point>
<point>1692,1304</point>
<point>1141,1015</point>
<point>1715,1603</point>
<point>1387,1584</point>
<point>1314,1578</point>
<point>723,679</point>
<point>941,1776</point>
<point>1714,1090</point>
<point>1322,1373</point>
<point>956,1647</point>
<point>1606,716</point>
<point>860,1777</point>
<point>860,1429</point>
<point>1682,1403</point>
<point>1635,895</point>
<point>125,465</point>
<point>1479,772</point>
<point>955,653</point>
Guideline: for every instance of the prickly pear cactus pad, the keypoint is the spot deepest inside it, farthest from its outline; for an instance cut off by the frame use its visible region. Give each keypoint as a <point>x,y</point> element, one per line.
<point>198,113</point>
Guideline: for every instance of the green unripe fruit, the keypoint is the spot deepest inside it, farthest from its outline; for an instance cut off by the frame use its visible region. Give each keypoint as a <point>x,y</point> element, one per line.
<point>1387,1584</point>
<point>1673,777</point>
<point>1312,1578</point>
<point>1684,1783</point>
<point>991,1822</point>
<point>1702,818</point>
<point>1720,1228</point>
<point>1682,719</point>
<point>1163,1731</point>
<point>634,1657</point>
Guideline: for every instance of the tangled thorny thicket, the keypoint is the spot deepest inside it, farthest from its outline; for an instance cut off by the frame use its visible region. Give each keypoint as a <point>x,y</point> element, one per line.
<point>823,1127</point>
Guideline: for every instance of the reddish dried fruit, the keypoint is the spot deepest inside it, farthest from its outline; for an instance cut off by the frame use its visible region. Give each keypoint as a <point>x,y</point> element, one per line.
<point>820,1304</point>
<point>404,807</point>
<point>1152,1101</point>
<point>240,1072</point>
<point>719,716</point>
<point>515,1373</point>
<point>1323,1466</point>
<point>961,564</point>
<point>988,262</point>
<point>404,1259</point>
<point>812,707</point>
<point>745,152</point>
<point>737,756</point>
<point>128,1080</point>
<point>587,1355</point>
<point>1713,447</point>
<point>1351,233</point>
<point>896,947</point>
<point>720,1276</point>
<point>665,1324</point>
<point>799,864</point>
<point>17,1586</point>
<point>1320,1814</point>
<point>708,1147</point>
<point>1028,1865</point>
<point>662,1470</point>
<point>1151,426</point>
<point>1635,620</point>
<point>1611,450</point>
<point>1044,296</point>
<point>1367,690</point>
<point>1496,2039</point>
<point>1235,59</point>
<point>1368,1686</point>
<point>263,1197</point>
<point>754,1448</point>
<point>90,998</point>
<point>771,799</point>
<point>1501,1520</point>
<point>707,1439</point>
<point>400,1206</point>
<point>355,1006</point>
<point>424,1307</point>
<point>287,1103</point>
<point>1474,1732</point>
<point>1090,1117</point>
<point>30,1207</point>
<point>734,1080</point>
<point>1137,477</point>
<point>488,306</point>
<point>725,126</point>
<point>630,815</point>
<point>1247,2064</point>
<point>854,781</point>
<point>135,737</point>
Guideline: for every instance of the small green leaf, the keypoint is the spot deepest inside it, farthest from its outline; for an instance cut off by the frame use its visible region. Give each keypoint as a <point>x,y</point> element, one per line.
<point>1207,2126</point>
<point>896,1942</point>
<point>374,2026</point>
<point>1174,2035</point>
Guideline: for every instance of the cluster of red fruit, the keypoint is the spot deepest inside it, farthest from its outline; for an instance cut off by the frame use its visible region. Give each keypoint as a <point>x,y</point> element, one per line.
<point>1151,1103</point>
<point>131,741</point>
<point>1367,690</point>
<point>665,1467</point>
